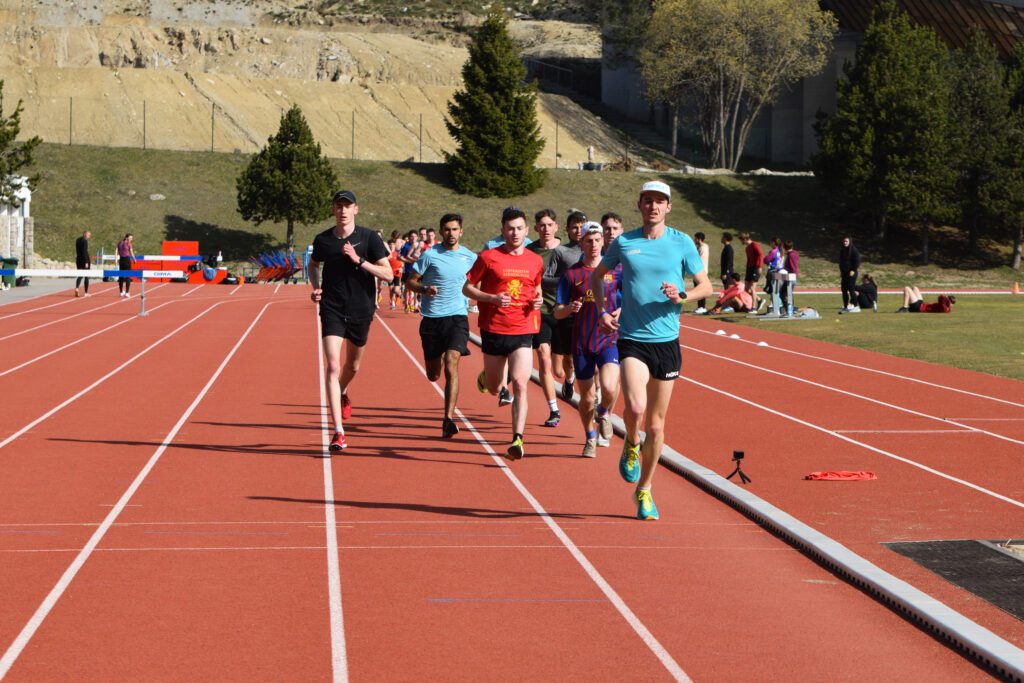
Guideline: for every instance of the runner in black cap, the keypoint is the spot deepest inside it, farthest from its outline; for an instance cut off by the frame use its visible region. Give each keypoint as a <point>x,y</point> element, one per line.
<point>352,257</point>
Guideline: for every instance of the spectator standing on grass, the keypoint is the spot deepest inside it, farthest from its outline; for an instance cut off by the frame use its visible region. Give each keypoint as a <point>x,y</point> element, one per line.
<point>353,258</point>
<point>125,261</point>
<point>755,260</point>
<point>791,264</point>
<point>82,261</point>
<point>773,263</point>
<point>726,259</point>
<point>849,264</point>
<point>700,240</point>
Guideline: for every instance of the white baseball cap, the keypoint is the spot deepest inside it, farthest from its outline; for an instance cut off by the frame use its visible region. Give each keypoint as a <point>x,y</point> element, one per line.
<point>657,186</point>
<point>591,226</point>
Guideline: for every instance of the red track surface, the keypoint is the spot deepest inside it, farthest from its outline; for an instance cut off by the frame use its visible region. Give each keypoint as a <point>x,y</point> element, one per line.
<point>217,567</point>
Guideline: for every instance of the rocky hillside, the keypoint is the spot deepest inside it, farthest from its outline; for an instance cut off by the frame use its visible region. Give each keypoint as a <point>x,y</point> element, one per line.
<point>191,75</point>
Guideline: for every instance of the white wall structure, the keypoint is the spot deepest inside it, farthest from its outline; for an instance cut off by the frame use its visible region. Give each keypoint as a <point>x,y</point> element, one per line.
<point>16,238</point>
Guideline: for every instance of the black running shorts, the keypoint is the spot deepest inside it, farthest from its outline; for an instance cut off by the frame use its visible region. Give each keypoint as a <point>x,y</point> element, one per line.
<point>503,344</point>
<point>336,325</point>
<point>548,323</point>
<point>448,333</point>
<point>662,359</point>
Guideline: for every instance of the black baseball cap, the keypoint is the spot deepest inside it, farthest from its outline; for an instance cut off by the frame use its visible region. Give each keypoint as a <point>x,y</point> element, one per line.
<point>343,196</point>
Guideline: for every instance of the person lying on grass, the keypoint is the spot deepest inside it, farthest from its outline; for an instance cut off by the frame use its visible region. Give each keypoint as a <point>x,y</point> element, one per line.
<point>913,302</point>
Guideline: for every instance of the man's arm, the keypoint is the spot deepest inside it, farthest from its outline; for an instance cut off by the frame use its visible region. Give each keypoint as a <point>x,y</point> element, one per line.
<point>703,290</point>
<point>415,285</point>
<point>313,271</point>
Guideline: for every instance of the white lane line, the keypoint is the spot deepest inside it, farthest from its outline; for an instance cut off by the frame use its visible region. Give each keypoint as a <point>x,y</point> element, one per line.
<point>867,369</point>
<point>192,289</point>
<point>60,320</point>
<point>912,463</point>
<point>853,395</point>
<point>104,378</point>
<point>339,651</point>
<point>235,290</point>
<point>22,639</point>
<point>278,287</point>
<point>905,431</point>
<point>987,419</point>
<point>40,308</point>
<point>646,636</point>
<point>548,546</point>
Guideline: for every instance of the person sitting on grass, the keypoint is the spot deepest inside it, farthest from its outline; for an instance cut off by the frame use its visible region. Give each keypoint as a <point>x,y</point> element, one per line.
<point>913,302</point>
<point>866,293</point>
<point>734,297</point>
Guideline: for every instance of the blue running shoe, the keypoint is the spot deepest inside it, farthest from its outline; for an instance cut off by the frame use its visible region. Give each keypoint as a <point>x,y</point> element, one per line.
<point>629,463</point>
<point>645,507</point>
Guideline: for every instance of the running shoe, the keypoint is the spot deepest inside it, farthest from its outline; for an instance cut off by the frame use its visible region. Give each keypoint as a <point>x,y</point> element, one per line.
<point>77,293</point>
<point>604,430</point>
<point>504,397</point>
<point>567,389</point>
<point>449,428</point>
<point>338,442</point>
<point>629,463</point>
<point>481,382</point>
<point>346,407</point>
<point>553,419</point>
<point>590,449</point>
<point>645,507</point>
<point>516,451</point>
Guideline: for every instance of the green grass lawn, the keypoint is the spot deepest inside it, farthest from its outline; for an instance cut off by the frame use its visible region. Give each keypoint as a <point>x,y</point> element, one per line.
<point>982,333</point>
<point>108,190</point>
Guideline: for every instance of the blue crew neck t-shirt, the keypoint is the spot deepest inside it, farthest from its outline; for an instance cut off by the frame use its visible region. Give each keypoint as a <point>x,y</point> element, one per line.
<point>445,269</point>
<point>498,241</point>
<point>647,315</point>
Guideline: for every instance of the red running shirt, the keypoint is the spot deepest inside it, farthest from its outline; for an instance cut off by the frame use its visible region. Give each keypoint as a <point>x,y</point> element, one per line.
<point>498,272</point>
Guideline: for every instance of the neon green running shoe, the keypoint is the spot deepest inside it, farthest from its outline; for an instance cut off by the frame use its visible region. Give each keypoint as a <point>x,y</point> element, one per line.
<point>629,462</point>
<point>516,451</point>
<point>481,382</point>
<point>645,507</point>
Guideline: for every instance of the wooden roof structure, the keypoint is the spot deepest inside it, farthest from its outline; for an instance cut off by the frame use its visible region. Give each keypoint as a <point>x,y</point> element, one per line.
<point>950,19</point>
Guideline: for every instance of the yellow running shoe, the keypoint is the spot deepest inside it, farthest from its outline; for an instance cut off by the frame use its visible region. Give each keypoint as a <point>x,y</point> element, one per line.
<point>481,382</point>
<point>515,449</point>
<point>629,462</point>
<point>645,507</point>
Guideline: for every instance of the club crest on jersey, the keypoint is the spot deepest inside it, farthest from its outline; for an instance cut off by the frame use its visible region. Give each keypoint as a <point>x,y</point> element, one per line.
<point>515,288</point>
<point>589,296</point>
<point>608,277</point>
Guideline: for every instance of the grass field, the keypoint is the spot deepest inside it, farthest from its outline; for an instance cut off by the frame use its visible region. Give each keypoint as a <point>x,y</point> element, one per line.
<point>983,333</point>
<point>108,190</point>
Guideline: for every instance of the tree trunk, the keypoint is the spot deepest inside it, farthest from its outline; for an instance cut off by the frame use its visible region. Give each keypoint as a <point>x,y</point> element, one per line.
<point>675,128</point>
<point>880,226</point>
<point>291,235</point>
<point>924,242</point>
<point>1018,241</point>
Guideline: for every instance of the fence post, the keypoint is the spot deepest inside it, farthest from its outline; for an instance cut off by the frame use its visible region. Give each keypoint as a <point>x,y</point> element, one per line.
<point>213,109</point>
<point>143,124</point>
<point>556,144</point>
<point>421,138</point>
<point>353,155</point>
<point>71,117</point>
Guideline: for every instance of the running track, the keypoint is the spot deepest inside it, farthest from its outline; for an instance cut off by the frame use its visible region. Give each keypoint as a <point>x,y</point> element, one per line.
<point>166,512</point>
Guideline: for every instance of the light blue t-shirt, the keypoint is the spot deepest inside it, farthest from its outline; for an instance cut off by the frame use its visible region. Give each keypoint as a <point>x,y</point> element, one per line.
<point>498,241</point>
<point>647,315</point>
<point>445,269</point>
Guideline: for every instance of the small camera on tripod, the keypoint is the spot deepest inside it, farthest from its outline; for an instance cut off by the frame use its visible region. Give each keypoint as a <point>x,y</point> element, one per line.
<point>737,457</point>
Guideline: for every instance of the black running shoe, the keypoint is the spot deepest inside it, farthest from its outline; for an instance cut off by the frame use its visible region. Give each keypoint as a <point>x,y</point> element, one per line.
<point>449,428</point>
<point>504,398</point>
<point>553,419</point>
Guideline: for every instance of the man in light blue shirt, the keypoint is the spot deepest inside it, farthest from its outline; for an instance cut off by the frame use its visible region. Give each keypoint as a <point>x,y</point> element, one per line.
<point>656,260</point>
<point>438,276</point>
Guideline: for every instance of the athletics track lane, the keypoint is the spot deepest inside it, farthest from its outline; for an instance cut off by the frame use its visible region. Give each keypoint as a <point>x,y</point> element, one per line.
<point>446,570</point>
<point>725,598</point>
<point>65,472</point>
<point>906,503</point>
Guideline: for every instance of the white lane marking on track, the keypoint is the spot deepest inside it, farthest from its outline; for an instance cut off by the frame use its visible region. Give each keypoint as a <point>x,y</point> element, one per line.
<point>60,320</point>
<point>104,378</point>
<point>905,431</point>
<point>235,290</point>
<point>22,639</point>
<point>912,463</point>
<point>867,369</point>
<point>549,546</point>
<point>911,411</point>
<point>646,636</point>
<point>192,289</point>
<point>44,294</point>
<point>33,310</point>
<point>278,287</point>
<point>339,651</point>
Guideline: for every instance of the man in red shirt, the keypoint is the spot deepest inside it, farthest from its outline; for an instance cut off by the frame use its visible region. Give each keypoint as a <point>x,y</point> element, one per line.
<point>506,281</point>
<point>755,259</point>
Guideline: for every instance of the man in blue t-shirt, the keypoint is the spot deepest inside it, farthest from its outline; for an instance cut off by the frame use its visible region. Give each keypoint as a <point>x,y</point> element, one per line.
<point>438,276</point>
<point>655,261</point>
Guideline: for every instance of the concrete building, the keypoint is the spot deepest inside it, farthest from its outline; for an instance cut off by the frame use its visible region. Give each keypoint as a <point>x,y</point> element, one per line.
<point>16,225</point>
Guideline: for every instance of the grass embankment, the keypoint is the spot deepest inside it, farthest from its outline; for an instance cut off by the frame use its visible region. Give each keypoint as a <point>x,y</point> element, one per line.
<point>108,190</point>
<point>983,333</point>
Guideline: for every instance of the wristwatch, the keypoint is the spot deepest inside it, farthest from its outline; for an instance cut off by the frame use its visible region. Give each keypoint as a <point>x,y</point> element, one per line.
<point>361,262</point>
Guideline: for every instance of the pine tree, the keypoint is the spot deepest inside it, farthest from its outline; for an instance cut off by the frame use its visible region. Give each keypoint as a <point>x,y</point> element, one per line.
<point>981,124</point>
<point>493,119</point>
<point>1003,198</point>
<point>288,179</point>
<point>886,146</point>
<point>13,157</point>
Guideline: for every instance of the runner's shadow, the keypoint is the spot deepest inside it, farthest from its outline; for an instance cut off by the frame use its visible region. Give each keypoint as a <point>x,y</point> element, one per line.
<point>312,451</point>
<point>479,513</point>
<point>393,454</point>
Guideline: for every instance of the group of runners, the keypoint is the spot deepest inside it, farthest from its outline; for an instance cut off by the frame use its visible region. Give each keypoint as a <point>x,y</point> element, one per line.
<point>600,306</point>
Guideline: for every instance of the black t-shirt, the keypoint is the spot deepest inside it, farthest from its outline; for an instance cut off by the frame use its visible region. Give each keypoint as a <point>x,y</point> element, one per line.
<point>82,249</point>
<point>348,290</point>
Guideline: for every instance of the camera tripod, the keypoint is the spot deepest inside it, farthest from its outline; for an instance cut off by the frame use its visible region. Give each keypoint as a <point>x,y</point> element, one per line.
<point>737,457</point>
